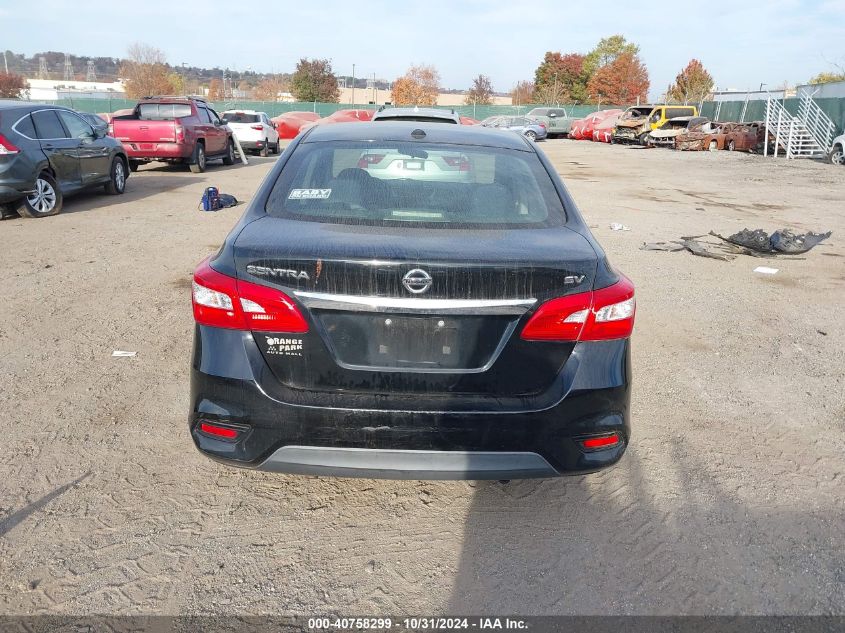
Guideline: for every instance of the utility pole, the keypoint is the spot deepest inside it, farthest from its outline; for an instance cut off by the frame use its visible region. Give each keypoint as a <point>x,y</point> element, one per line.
<point>5,62</point>
<point>68,68</point>
<point>91,74</point>
<point>353,85</point>
<point>374,89</point>
<point>42,68</point>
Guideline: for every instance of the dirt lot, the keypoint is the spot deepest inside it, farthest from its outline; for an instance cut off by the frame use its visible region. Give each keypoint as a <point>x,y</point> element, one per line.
<point>730,499</point>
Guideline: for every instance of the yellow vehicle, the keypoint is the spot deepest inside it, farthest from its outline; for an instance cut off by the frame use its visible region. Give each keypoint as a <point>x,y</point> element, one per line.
<point>637,121</point>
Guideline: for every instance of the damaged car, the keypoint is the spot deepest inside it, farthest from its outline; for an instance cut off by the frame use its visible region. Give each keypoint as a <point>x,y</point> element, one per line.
<point>665,135</point>
<point>708,135</point>
<point>746,137</point>
<point>637,122</point>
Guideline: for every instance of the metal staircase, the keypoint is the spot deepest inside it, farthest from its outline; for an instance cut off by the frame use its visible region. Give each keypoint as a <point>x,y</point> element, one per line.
<point>807,135</point>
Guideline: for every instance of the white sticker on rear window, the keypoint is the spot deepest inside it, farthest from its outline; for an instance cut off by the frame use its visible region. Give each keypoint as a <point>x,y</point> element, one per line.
<point>309,194</point>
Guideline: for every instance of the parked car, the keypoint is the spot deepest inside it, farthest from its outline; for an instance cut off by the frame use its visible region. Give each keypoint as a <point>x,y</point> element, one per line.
<point>96,121</point>
<point>576,131</point>
<point>182,130</point>
<point>746,137</point>
<point>637,121</point>
<point>423,115</point>
<point>529,128</point>
<point>48,152</point>
<point>255,131</point>
<point>704,135</point>
<point>837,151</point>
<point>289,124</point>
<point>557,120</point>
<point>589,123</point>
<point>603,130</point>
<point>665,135</point>
<point>490,342</point>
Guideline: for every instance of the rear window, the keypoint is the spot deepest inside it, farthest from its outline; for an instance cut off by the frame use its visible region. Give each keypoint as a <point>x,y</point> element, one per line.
<point>415,117</point>
<point>421,184</point>
<point>240,117</point>
<point>163,111</point>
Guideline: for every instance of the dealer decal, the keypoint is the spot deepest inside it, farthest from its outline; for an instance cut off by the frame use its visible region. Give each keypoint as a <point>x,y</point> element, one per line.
<point>284,346</point>
<point>309,194</point>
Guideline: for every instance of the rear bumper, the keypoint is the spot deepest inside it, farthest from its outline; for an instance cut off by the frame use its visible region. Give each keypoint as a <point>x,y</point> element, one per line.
<point>227,388</point>
<point>252,145</point>
<point>13,193</point>
<point>157,151</point>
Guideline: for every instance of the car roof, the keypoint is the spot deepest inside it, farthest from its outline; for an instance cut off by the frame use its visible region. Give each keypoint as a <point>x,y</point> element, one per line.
<point>401,131</point>
<point>430,112</point>
<point>12,104</point>
<point>236,110</point>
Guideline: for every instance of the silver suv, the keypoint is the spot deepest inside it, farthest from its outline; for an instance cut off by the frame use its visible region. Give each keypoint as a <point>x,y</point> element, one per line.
<point>425,115</point>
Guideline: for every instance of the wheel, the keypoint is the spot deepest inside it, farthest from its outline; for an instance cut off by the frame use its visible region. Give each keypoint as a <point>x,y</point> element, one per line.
<point>45,200</point>
<point>531,135</point>
<point>837,156</point>
<point>277,146</point>
<point>265,149</point>
<point>198,163</point>
<point>643,139</point>
<point>713,145</point>
<point>731,145</point>
<point>134,165</point>
<point>229,158</point>
<point>117,180</point>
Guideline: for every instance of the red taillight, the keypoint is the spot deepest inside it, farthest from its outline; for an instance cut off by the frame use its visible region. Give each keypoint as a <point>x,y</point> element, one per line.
<point>461,162</point>
<point>218,431</point>
<point>225,302</point>
<point>111,129</point>
<point>6,146</point>
<point>542,125</point>
<point>601,442</point>
<point>256,127</point>
<point>180,134</point>
<point>369,159</point>
<point>598,315</point>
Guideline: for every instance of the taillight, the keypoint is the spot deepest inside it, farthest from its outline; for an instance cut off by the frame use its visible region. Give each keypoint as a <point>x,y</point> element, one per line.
<point>598,315</point>
<point>542,125</point>
<point>6,146</point>
<point>604,441</point>
<point>256,127</point>
<point>461,162</point>
<point>111,129</point>
<point>225,302</point>
<point>180,134</point>
<point>369,159</point>
<point>218,431</point>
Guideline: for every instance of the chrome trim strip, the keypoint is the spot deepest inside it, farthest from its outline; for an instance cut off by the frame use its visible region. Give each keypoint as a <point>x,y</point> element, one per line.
<point>413,304</point>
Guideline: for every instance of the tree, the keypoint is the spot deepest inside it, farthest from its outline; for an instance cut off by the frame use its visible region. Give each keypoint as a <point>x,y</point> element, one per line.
<point>561,78</point>
<point>13,86</point>
<point>420,85</point>
<point>481,92</point>
<point>622,81</point>
<point>315,81</point>
<point>827,78</point>
<point>522,93</point>
<point>607,51</point>
<point>215,90</point>
<point>269,89</point>
<point>146,73</point>
<point>693,83</point>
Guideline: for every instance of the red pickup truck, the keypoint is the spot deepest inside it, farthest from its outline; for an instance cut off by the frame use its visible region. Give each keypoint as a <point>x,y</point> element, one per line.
<point>174,129</point>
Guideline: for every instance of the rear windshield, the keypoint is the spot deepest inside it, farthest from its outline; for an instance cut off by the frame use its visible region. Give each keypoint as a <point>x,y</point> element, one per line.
<point>416,117</point>
<point>163,111</point>
<point>240,117</point>
<point>424,184</point>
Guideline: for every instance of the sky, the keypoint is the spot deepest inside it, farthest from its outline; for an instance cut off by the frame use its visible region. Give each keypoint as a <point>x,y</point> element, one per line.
<point>742,43</point>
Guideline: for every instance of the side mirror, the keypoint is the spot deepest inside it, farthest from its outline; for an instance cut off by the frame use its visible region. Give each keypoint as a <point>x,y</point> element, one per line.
<point>224,121</point>
<point>100,132</point>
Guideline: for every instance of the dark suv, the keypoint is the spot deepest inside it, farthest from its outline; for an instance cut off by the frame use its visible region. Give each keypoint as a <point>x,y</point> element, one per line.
<point>47,152</point>
<point>412,300</point>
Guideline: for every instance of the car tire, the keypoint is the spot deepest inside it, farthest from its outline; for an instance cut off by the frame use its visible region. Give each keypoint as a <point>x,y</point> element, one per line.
<point>117,178</point>
<point>643,139</point>
<point>713,145</point>
<point>531,135</point>
<point>45,201</point>
<point>837,156</point>
<point>198,163</point>
<point>731,146</point>
<point>277,147</point>
<point>265,149</point>
<point>134,165</point>
<point>229,158</point>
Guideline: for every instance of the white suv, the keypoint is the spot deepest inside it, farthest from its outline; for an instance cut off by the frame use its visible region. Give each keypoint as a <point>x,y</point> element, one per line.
<point>254,130</point>
<point>837,151</point>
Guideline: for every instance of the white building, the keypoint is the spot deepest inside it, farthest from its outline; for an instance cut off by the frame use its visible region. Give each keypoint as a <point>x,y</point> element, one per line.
<point>52,89</point>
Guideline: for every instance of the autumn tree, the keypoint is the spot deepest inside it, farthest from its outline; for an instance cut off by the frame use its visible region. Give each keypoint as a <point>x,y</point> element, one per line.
<point>269,89</point>
<point>215,90</point>
<point>607,51</point>
<point>481,92</point>
<point>12,86</point>
<point>420,85</point>
<point>561,78</point>
<point>522,93</point>
<point>693,83</point>
<point>314,80</point>
<point>827,78</point>
<point>622,81</point>
<point>146,73</point>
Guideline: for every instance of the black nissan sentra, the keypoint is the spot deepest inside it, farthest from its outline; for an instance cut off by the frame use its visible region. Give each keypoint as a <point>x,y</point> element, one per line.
<point>412,300</point>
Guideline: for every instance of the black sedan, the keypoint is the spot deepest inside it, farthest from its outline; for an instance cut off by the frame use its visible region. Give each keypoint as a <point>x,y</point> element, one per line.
<point>412,300</point>
<point>47,152</point>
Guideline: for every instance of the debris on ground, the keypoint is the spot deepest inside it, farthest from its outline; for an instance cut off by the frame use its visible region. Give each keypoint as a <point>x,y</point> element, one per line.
<point>755,243</point>
<point>782,241</point>
<point>615,226</point>
<point>119,353</point>
<point>766,270</point>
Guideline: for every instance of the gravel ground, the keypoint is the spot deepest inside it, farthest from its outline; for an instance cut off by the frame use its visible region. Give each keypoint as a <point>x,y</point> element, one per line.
<point>730,499</point>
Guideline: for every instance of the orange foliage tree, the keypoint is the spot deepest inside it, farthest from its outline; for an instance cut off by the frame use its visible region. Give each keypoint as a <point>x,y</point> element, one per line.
<point>622,81</point>
<point>420,85</point>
